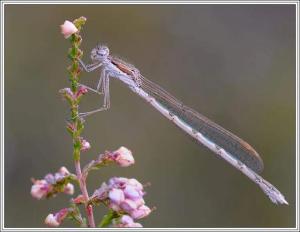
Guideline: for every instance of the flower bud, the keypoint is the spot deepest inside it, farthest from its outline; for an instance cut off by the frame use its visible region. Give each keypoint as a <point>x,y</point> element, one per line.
<point>102,192</point>
<point>124,157</point>
<point>50,178</point>
<point>64,171</point>
<point>56,219</point>
<point>40,189</point>
<point>79,199</point>
<point>116,196</point>
<point>131,192</point>
<point>128,205</point>
<point>68,28</point>
<point>85,145</point>
<point>141,212</point>
<point>69,189</point>
<point>81,91</point>
<point>127,221</point>
<point>51,221</point>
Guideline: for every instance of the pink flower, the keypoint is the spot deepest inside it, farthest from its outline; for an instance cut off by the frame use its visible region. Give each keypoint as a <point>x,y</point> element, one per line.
<point>85,145</point>
<point>141,212</point>
<point>131,192</point>
<point>78,200</point>
<point>135,225</point>
<point>116,196</point>
<point>117,182</point>
<point>64,171</point>
<point>51,221</point>
<point>81,91</point>
<point>40,189</point>
<point>69,189</point>
<point>127,221</point>
<point>135,183</point>
<point>139,202</point>
<point>56,219</point>
<point>102,192</point>
<point>128,205</point>
<point>68,28</point>
<point>124,196</point>
<point>123,157</point>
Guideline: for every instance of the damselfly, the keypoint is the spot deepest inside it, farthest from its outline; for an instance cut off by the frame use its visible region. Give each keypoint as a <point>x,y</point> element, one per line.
<point>222,142</point>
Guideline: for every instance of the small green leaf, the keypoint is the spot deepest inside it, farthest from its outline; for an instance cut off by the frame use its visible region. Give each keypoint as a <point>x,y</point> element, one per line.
<point>107,219</point>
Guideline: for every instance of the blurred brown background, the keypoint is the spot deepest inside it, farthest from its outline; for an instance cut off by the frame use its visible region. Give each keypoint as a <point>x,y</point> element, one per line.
<point>233,63</point>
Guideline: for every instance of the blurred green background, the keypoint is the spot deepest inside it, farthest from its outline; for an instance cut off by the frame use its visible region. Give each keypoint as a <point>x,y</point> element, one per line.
<point>233,63</point>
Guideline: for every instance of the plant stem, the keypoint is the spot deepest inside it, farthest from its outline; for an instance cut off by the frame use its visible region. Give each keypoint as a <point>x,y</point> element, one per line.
<point>88,208</point>
<point>74,54</point>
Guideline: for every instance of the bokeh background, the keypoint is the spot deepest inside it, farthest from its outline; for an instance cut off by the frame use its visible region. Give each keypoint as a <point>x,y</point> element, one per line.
<point>233,63</point>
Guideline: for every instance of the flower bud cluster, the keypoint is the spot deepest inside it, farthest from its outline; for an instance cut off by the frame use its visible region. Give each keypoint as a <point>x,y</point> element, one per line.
<point>52,184</point>
<point>124,196</point>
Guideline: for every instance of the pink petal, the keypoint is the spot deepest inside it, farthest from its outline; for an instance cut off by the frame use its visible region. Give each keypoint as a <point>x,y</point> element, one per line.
<point>116,196</point>
<point>128,205</point>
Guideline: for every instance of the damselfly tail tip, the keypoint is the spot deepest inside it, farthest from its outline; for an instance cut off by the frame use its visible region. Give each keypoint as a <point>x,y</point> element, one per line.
<point>281,200</point>
<point>276,197</point>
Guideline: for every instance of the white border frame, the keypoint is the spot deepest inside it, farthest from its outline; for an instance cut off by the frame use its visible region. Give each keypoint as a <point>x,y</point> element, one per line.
<point>7,2</point>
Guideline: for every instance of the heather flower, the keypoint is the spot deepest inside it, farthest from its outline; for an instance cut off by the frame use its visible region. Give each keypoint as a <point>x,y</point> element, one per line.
<point>131,192</point>
<point>123,157</point>
<point>116,196</point>
<point>67,93</point>
<point>52,184</point>
<point>40,189</point>
<point>51,221</point>
<point>124,196</point>
<point>102,192</point>
<point>127,221</point>
<point>64,171</point>
<point>50,178</point>
<point>78,200</point>
<point>141,212</point>
<point>128,205</point>
<point>81,91</point>
<point>69,189</point>
<point>54,220</point>
<point>68,28</point>
<point>85,145</point>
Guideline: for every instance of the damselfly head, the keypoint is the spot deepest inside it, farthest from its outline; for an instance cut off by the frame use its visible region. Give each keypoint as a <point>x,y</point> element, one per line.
<point>99,53</point>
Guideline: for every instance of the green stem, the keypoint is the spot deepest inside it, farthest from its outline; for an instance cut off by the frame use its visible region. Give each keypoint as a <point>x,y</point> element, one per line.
<point>74,54</point>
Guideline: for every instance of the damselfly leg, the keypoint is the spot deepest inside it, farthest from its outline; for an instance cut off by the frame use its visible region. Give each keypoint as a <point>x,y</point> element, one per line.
<point>103,84</point>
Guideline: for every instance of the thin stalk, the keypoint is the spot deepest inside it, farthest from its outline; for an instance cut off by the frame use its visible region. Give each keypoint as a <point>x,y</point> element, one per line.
<point>74,54</point>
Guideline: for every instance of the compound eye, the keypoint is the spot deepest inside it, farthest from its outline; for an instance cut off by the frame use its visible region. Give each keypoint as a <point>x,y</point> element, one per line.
<point>99,53</point>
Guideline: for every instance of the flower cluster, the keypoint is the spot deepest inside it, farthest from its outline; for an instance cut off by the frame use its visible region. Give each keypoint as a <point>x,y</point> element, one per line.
<point>52,184</point>
<point>124,196</point>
